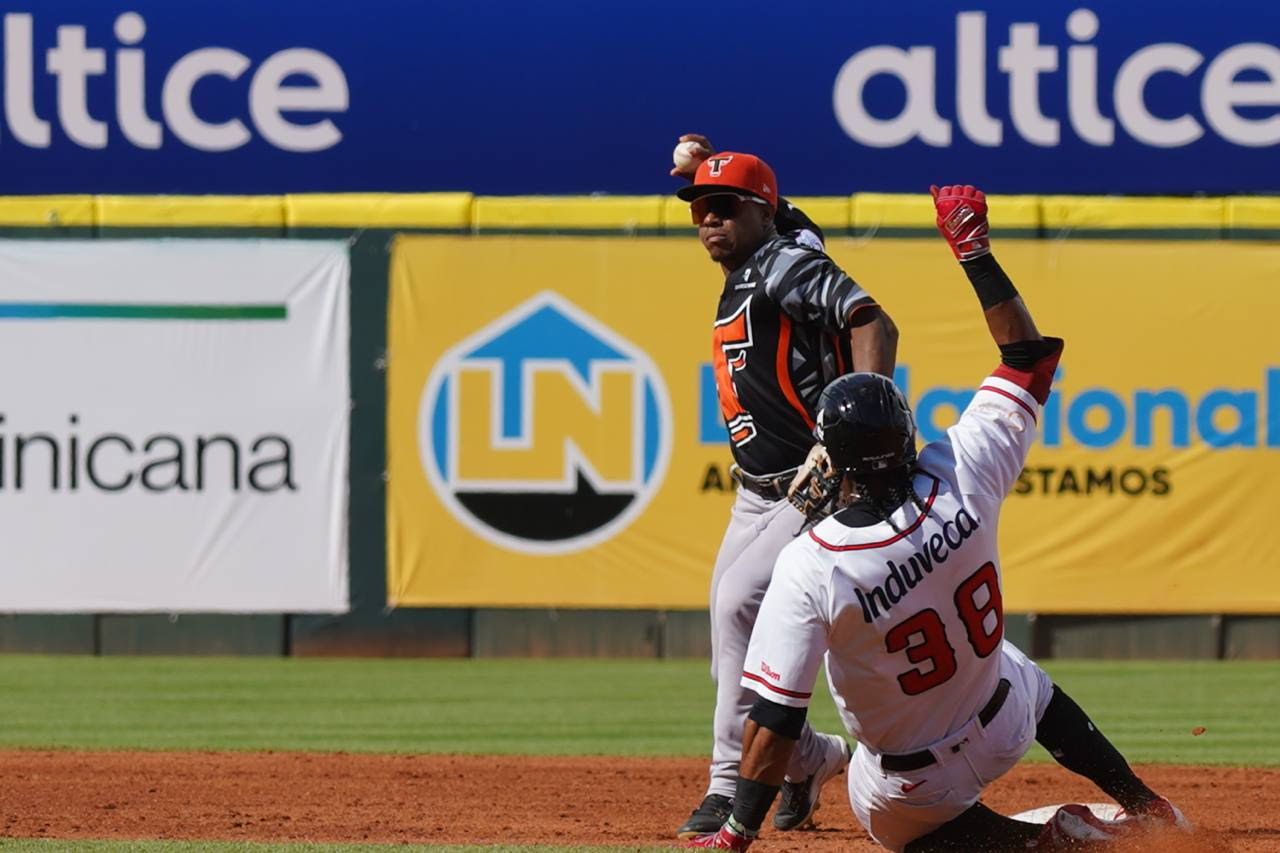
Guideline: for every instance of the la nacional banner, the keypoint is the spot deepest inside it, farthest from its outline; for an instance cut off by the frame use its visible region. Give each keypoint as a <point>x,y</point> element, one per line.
<point>554,438</point>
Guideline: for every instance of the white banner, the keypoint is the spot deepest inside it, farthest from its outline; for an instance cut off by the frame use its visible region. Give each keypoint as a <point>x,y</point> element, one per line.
<point>173,426</point>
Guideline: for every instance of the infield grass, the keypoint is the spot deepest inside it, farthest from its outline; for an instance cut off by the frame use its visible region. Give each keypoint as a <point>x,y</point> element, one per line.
<point>549,707</point>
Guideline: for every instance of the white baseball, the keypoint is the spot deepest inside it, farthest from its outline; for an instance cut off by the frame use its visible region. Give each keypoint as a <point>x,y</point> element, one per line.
<point>688,156</point>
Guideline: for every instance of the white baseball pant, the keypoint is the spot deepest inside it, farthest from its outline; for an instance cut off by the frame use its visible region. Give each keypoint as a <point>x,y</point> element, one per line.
<point>897,808</point>
<point>758,530</point>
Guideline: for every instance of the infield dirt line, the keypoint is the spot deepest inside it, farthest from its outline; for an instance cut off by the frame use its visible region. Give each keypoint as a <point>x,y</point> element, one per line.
<point>467,799</point>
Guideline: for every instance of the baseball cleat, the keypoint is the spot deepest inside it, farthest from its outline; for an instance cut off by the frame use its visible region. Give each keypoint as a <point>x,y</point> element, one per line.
<point>800,799</point>
<point>707,818</point>
<point>1157,813</point>
<point>1074,827</point>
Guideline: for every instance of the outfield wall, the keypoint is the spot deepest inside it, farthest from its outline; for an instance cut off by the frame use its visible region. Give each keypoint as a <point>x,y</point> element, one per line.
<point>1189,231</point>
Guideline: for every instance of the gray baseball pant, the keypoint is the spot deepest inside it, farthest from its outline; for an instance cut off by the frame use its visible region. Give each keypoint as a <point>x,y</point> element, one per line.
<point>757,532</point>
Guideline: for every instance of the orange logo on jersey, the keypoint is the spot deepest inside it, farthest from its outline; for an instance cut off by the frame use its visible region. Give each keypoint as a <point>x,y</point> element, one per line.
<point>729,344</point>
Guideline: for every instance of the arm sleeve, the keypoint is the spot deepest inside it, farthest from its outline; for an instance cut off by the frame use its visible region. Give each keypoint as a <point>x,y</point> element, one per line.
<point>790,634</point>
<point>784,720</point>
<point>991,440</point>
<point>810,288</point>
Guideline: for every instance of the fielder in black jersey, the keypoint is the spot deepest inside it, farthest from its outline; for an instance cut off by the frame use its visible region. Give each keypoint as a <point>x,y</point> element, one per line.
<point>789,320</point>
<point>782,333</point>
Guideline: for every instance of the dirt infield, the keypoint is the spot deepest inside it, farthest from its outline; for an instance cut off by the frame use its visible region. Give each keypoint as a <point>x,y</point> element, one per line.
<point>502,799</point>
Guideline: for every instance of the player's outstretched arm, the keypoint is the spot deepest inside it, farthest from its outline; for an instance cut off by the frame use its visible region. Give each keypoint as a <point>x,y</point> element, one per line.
<point>991,440</point>
<point>962,219</point>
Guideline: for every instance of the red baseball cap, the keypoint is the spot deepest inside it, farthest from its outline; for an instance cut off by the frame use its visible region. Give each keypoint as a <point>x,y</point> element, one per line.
<point>730,170</point>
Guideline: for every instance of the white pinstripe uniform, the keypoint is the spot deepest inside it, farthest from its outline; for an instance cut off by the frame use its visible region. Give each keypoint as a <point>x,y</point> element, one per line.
<point>909,620</point>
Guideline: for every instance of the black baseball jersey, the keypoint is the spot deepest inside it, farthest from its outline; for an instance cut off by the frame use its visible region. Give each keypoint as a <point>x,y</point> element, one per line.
<point>781,334</point>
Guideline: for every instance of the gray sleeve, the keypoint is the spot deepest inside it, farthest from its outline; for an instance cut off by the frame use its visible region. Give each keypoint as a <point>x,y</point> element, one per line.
<point>810,288</point>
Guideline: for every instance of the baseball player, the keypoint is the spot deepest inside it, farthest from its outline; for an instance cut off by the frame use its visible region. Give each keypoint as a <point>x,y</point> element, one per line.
<point>788,321</point>
<point>899,592</point>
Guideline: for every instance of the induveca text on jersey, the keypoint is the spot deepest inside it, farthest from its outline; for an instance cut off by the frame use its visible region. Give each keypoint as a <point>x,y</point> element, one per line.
<point>903,578</point>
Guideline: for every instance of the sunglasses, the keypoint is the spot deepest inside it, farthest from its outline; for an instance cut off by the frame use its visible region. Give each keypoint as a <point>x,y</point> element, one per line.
<point>723,205</point>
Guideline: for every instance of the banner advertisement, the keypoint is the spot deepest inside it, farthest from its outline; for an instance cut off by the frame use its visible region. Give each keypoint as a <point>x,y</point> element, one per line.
<point>153,96</point>
<point>173,435</point>
<point>554,438</point>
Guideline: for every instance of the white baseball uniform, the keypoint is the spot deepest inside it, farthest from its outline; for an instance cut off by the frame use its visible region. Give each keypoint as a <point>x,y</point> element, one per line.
<point>909,619</point>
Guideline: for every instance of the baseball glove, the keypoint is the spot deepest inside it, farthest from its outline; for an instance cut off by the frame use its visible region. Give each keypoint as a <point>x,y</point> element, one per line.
<point>816,486</point>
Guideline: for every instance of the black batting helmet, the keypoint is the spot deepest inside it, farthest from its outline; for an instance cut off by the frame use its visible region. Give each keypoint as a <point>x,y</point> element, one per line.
<point>866,424</point>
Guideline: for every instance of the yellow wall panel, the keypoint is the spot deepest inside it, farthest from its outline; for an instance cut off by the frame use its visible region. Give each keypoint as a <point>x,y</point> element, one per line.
<point>582,213</point>
<point>834,214</point>
<point>885,210</point>
<point>863,212</point>
<point>916,211</point>
<point>379,210</point>
<point>1021,212</point>
<point>1153,213</point>
<point>71,211</point>
<point>159,211</point>
<point>1253,212</point>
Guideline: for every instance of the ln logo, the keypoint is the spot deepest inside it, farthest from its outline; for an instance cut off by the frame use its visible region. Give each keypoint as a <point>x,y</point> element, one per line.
<point>545,432</point>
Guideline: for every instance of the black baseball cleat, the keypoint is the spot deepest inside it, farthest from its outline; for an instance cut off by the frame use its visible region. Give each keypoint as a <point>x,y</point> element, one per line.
<point>707,817</point>
<point>800,799</point>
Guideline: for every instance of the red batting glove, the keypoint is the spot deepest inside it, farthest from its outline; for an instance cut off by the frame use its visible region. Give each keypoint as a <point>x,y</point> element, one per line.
<point>962,219</point>
<point>726,839</point>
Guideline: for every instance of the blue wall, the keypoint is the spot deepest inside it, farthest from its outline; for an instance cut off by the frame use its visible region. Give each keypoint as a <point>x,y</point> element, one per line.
<point>572,96</point>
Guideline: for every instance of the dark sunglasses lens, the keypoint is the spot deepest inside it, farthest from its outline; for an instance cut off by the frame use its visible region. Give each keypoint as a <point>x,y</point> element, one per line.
<point>723,206</point>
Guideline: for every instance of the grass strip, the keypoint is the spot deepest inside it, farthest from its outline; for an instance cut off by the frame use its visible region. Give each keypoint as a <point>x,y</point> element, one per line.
<point>549,707</point>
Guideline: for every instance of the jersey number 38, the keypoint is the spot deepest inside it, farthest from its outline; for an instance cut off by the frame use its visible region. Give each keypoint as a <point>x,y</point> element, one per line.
<point>933,646</point>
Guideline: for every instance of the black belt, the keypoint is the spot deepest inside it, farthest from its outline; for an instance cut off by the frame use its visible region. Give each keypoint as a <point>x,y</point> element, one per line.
<point>772,487</point>
<point>923,758</point>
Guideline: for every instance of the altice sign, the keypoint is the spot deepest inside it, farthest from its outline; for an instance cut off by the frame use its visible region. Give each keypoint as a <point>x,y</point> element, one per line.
<point>1238,90</point>
<point>293,93</point>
